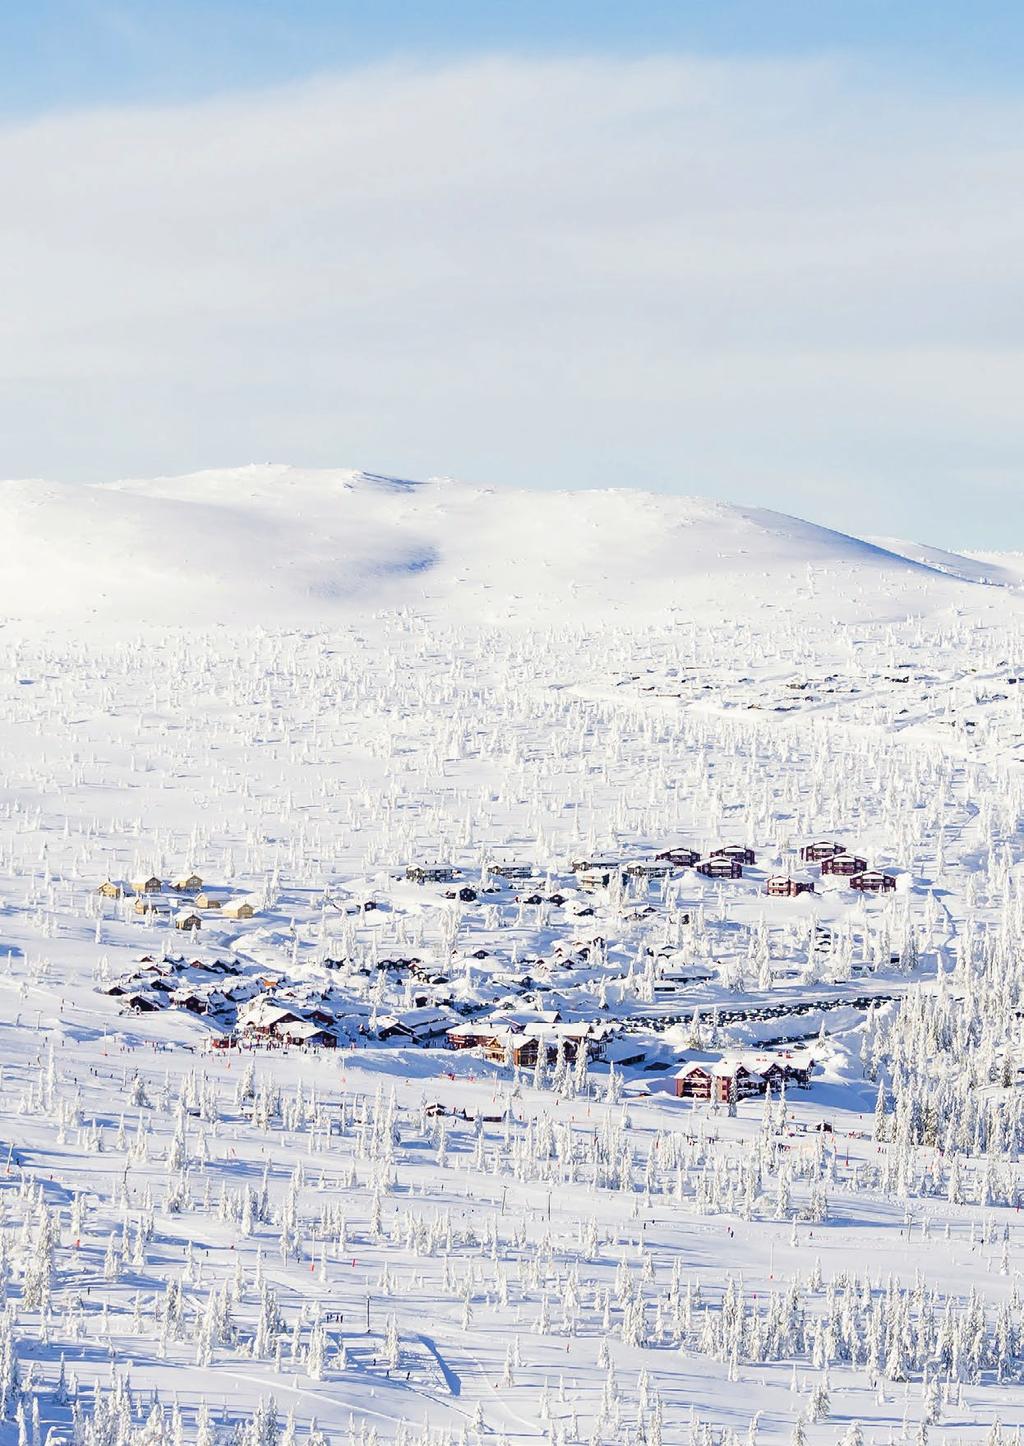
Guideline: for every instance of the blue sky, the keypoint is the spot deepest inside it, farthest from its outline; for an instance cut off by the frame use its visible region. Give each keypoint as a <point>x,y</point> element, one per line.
<point>73,52</point>
<point>767,252</point>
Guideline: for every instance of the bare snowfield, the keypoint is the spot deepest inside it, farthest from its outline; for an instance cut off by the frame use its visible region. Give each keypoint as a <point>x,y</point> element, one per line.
<point>297,685</point>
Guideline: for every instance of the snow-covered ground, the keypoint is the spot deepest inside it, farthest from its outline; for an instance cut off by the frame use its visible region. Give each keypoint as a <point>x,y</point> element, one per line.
<point>297,686</point>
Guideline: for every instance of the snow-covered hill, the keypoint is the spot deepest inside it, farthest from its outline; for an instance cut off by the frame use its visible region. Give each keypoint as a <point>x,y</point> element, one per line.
<point>275,544</point>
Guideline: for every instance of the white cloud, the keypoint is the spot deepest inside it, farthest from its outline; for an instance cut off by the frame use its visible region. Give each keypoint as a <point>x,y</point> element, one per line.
<point>754,279</point>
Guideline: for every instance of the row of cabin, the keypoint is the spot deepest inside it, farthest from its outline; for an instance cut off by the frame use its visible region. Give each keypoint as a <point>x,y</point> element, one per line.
<point>732,1078</point>
<point>836,861</point>
<point>119,888</point>
<point>726,862</point>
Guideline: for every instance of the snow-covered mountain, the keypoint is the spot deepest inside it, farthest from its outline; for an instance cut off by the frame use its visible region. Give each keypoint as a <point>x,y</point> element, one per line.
<point>275,544</point>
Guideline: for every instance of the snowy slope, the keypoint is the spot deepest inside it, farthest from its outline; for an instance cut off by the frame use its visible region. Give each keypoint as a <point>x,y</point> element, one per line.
<point>274,544</point>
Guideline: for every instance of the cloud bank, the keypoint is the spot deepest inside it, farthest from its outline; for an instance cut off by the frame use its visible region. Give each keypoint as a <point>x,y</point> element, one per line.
<point>790,284</point>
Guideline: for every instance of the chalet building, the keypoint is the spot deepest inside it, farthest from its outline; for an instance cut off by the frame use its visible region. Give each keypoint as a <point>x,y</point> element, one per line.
<point>843,865</point>
<point>141,1004</point>
<point>781,888</point>
<point>152,885</point>
<point>188,883</point>
<point>542,1041</point>
<point>740,1078</point>
<point>679,858</point>
<point>649,869</point>
<point>207,901</point>
<point>814,853</point>
<point>238,909</point>
<point>305,1034</point>
<point>416,1026</point>
<point>734,851</point>
<point>511,871</point>
<point>113,889</point>
<point>598,876</point>
<point>782,1072</point>
<point>260,1016</point>
<point>717,1082</point>
<point>873,881</point>
<point>146,904</point>
<point>430,873</point>
<point>720,867</point>
<point>188,919</point>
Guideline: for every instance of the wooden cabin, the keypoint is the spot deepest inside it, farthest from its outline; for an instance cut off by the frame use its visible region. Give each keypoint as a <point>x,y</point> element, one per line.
<point>813,853</point>
<point>717,1081</point>
<point>598,876</point>
<point>873,881</point>
<point>679,858</point>
<point>844,865</point>
<point>207,901</point>
<point>431,873</point>
<point>784,888</point>
<point>146,904</point>
<point>188,883</point>
<point>142,1004</point>
<point>734,851</point>
<point>306,1034</point>
<point>720,867</point>
<point>238,909</point>
<point>152,885</point>
<point>511,871</point>
<point>188,920</point>
<point>649,869</point>
<point>112,889</point>
<point>782,1072</point>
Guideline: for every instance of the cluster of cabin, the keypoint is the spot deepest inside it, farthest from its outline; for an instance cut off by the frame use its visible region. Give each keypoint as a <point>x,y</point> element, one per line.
<point>834,861</point>
<point>212,987</point>
<point>737,1077</point>
<point>151,900</point>
<point>725,862</point>
<point>314,1020</point>
<point>520,1011</point>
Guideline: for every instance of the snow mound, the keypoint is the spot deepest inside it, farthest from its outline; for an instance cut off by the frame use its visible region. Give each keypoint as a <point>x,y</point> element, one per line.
<point>276,545</point>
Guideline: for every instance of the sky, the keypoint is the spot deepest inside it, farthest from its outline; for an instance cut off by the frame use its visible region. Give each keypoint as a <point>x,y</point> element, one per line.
<point>765,252</point>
